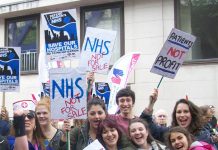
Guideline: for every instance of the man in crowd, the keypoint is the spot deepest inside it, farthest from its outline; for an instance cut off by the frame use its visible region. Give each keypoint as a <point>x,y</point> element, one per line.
<point>160,117</point>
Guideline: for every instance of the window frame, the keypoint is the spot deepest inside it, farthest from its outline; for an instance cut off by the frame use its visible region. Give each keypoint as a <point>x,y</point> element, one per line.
<point>25,18</point>
<point>176,24</point>
<point>120,5</point>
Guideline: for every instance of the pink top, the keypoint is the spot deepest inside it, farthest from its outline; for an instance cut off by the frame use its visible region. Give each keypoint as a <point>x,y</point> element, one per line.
<point>123,123</point>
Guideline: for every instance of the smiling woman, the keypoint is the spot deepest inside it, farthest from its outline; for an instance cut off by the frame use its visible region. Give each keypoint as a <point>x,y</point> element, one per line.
<point>141,137</point>
<point>26,123</point>
<point>111,137</point>
<point>178,138</point>
<point>43,112</point>
<point>82,137</point>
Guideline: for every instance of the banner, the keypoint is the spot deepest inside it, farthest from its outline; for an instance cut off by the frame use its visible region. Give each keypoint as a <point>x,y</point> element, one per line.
<point>9,69</point>
<point>68,94</point>
<point>97,50</point>
<point>173,53</point>
<point>118,77</point>
<point>60,32</point>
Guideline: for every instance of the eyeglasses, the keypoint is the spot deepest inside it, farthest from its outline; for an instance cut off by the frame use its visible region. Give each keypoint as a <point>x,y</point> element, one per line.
<point>29,116</point>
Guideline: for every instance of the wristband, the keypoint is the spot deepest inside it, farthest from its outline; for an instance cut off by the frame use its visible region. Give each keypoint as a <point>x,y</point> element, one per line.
<point>19,126</point>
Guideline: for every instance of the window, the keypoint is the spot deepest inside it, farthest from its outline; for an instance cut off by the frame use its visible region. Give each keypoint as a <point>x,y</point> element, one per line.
<point>200,18</point>
<point>23,32</point>
<point>107,16</point>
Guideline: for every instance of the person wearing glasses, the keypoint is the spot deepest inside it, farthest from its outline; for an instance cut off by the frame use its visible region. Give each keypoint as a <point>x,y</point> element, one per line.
<point>26,124</point>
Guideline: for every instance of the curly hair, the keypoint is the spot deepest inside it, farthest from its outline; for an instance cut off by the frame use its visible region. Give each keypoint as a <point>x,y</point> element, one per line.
<point>196,124</point>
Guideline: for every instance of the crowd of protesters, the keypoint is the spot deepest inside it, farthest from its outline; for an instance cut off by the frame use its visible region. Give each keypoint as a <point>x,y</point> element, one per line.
<point>192,127</point>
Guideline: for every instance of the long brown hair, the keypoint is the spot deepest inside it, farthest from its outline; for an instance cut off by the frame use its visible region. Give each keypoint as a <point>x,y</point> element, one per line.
<point>180,130</point>
<point>196,124</point>
<point>38,134</point>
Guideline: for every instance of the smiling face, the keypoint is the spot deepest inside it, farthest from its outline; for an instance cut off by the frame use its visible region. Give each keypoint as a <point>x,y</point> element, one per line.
<point>95,115</point>
<point>30,121</point>
<point>125,104</point>
<point>138,133</point>
<point>183,115</point>
<point>43,115</point>
<point>110,136</point>
<point>178,141</point>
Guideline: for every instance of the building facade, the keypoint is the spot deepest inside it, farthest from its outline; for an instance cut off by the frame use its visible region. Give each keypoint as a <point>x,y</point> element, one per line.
<point>142,25</point>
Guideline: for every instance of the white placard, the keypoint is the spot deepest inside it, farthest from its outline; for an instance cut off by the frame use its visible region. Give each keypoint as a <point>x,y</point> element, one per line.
<point>97,50</point>
<point>173,53</point>
<point>68,94</point>
<point>95,145</point>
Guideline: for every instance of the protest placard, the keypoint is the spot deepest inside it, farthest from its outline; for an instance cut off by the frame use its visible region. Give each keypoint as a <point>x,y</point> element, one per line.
<point>173,53</point>
<point>68,94</point>
<point>97,50</point>
<point>60,32</point>
<point>118,77</point>
<point>9,69</point>
<point>95,145</point>
<point>102,90</point>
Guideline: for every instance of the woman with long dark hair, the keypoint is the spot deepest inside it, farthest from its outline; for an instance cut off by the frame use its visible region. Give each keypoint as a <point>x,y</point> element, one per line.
<point>185,114</point>
<point>26,123</point>
<point>82,137</point>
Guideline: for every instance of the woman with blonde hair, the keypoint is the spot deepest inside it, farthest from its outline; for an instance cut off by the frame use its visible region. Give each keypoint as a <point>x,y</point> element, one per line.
<point>43,113</point>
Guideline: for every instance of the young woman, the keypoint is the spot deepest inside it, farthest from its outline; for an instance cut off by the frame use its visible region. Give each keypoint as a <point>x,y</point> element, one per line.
<point>111,137</point>
<point>82,137</point>
<point>185,114</point>
<point>52,135</point>
<point>178,138</point>
<point>141,137</point>
<point>28,121</point>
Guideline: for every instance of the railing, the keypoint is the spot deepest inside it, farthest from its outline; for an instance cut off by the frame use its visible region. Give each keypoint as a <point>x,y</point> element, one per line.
<point>29,62</point>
